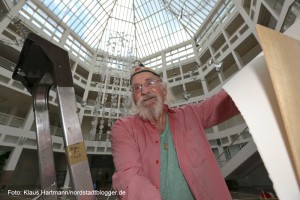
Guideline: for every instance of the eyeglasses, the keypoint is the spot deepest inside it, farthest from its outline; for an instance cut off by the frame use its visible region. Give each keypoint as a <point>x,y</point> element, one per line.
<point>149,83</point>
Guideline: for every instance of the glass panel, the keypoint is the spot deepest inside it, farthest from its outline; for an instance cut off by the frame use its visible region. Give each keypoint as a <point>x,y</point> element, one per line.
<point>118,27</point>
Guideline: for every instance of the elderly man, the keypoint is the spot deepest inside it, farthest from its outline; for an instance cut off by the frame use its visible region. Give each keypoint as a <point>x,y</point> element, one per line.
<point>163,153</point>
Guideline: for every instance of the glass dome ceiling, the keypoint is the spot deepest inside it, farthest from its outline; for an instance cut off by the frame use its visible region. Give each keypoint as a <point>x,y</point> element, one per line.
<point>134,28</point>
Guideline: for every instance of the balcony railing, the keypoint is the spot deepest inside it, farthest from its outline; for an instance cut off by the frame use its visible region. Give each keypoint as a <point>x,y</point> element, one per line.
<point>12,121</point>
<point>228,154</point>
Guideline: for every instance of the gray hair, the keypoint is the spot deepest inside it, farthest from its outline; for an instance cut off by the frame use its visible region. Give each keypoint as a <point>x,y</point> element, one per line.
<point>169,99</point>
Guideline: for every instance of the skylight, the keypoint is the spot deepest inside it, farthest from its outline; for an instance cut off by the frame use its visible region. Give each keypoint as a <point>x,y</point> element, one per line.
<point>131,28</point>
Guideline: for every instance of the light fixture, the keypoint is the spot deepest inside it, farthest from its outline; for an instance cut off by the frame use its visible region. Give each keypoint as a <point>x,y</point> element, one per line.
<point>138,63</point>
<point>111,101</point>
<point>19,29</point>
<point>174,72</point>
<point>184,10</point>
<point>194,73</point>
<point>120,44</point>
<point>186,95</point>
<point>83,103</point>
<point>217,64</point>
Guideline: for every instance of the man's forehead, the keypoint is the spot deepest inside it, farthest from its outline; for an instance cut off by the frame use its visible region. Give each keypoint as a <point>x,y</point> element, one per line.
<point>141,77</point>
<point>142,69</point>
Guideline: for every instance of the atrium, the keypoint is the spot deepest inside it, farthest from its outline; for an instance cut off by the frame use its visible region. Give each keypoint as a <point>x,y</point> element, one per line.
<point>195,45</point>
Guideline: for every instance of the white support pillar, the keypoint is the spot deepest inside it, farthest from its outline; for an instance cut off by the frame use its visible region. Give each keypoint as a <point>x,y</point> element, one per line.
<point>67,180</point>
<point>164,64</point>
<point>13,159</point>
<point>9,168</point>
<point>13,12</point>
<point>29,119</point>
<point>221,76</point>
<point>86,92</point>
<point>73,68</point>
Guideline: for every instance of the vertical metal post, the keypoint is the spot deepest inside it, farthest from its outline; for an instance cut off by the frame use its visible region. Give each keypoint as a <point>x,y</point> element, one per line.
<point>75,147</point>
<point>40,65</point>
<point>44,142</point>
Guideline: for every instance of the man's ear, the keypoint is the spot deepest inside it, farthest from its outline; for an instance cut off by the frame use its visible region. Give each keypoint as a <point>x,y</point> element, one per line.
<point>164,88</point>
<point>165,91</point>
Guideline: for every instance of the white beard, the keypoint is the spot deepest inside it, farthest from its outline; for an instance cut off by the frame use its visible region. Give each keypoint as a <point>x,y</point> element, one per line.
<point>153,112</point>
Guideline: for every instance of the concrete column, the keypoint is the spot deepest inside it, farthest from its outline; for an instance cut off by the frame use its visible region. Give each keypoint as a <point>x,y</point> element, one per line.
<point>86,92</point>
<point>204,85</point>
<point>67,180</point>
<point>64,37</point>
<point>9,169</point>
<point>222,159</point>
<point>73,69</point>
<point>221,76</point>
<point>29,119</point>
<point>285,8</point>
<point>13,13</point>
<point>163,59</point>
